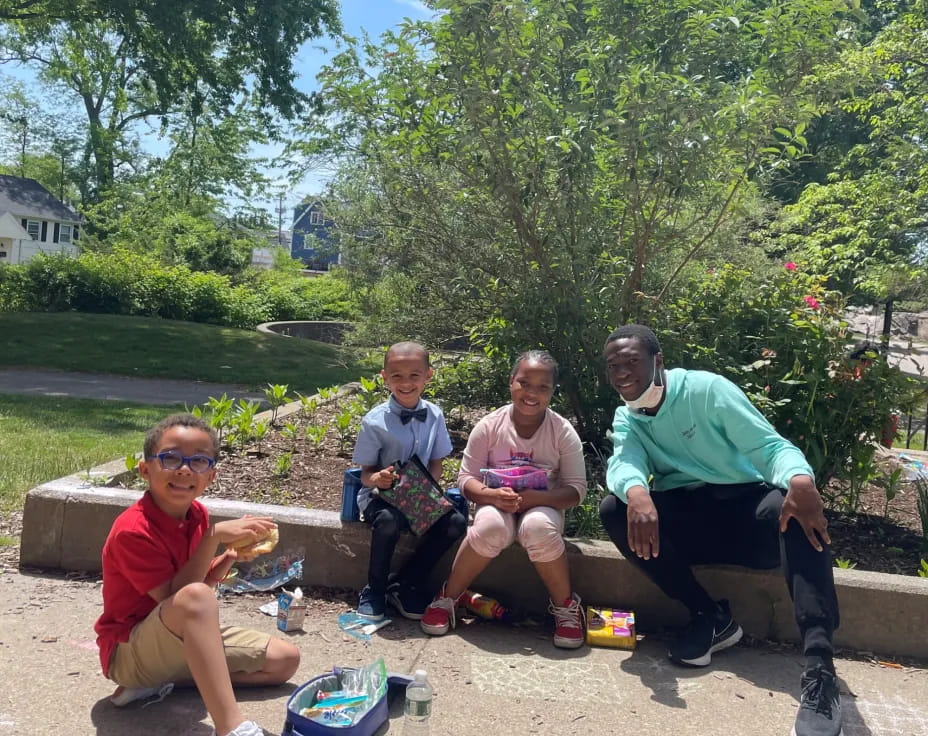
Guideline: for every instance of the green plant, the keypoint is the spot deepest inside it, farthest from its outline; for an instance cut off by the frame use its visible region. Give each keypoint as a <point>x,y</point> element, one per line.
<point>449,472</point>
<point>258,432</point>
<point>371,392</point>
<point>923,569</point>
<point>290,432</point>
<point>277,397</point>
<point>344,426</point>
<point>315,435</point>
<point>921,488</point>
<point>329,394</point>
<point>219,414</point>
<point>132,462</point>
<point>844,564</point>
<point>308,407</point>
<point>282,464</point>
<point>890,484</point>
<point>242,422</point>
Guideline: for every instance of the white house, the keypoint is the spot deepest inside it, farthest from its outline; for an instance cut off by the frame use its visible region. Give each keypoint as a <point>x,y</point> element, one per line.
<point>33,221</point>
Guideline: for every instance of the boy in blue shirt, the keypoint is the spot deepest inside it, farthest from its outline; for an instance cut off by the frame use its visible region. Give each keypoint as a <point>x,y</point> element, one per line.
<point>726,488</point>
<point>391,433</point>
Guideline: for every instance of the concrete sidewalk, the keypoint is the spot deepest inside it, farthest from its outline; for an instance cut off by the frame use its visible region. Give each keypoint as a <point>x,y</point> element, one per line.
<point>486,676</point>
<point>36,382</point>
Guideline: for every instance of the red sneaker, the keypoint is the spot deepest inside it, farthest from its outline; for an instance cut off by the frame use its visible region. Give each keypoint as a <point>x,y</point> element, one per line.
<point>569,626</point>
<point>439,617</point>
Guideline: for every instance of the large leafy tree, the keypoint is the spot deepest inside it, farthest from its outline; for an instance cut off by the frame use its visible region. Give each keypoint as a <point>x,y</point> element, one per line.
<point>181,44</point>
<point>545,169</point>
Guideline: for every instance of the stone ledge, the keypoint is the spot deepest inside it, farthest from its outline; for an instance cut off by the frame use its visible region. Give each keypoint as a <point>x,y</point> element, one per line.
<point>66,521</point>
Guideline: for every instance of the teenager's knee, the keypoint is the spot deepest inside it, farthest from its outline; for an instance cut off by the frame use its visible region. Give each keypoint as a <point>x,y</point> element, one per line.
<point>489,539</point>
<point>541,539</point>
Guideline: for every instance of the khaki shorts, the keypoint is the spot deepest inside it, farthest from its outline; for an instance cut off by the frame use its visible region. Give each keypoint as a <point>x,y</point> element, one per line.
<point>154,654</point>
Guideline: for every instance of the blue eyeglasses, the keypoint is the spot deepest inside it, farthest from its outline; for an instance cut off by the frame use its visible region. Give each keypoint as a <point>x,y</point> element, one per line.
<point>173,460</point>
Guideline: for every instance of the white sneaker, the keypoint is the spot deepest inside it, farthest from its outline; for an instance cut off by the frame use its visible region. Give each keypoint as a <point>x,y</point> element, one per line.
<point>125,695</point>
<point>245,728</point>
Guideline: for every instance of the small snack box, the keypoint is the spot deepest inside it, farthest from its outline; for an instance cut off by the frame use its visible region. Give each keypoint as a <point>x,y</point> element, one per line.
<point>606,627</point>
<point>291,610</point>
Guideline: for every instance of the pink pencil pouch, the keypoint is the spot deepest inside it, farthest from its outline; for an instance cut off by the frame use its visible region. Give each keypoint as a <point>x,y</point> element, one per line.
<point>519,478</point>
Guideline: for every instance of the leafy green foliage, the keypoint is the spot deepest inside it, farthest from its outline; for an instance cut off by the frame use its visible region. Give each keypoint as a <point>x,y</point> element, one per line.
<point>533,168</point>
<point>126,283</point>
<point>782,338</point>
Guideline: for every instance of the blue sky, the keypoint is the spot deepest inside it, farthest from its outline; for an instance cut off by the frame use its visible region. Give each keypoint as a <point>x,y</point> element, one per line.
<point>372,16</point>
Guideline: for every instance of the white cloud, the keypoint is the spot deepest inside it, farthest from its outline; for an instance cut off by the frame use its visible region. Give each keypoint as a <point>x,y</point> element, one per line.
<point>417,5</point>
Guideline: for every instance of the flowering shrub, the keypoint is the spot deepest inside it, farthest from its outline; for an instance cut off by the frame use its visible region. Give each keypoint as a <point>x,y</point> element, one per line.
<point>782,338</point>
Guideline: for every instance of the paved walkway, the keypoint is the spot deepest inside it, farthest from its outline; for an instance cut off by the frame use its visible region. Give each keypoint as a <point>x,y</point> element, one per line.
<point>487,678</point>
<point>34,382</point>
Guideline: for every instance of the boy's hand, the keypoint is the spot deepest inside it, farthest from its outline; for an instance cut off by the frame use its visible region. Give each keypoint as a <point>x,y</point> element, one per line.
<point>220,567</point>
<point>249,528</point>
<point>384,478</point>
<point>506,499</point>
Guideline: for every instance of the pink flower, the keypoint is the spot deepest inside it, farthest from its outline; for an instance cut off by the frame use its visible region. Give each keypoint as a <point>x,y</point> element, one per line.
<point>811,301</point>
<point>767,389</point>
<point>790,266</point>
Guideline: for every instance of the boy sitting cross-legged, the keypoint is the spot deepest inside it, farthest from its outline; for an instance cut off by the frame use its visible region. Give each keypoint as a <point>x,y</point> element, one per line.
<point>160,621</point>
<point>392,433</point>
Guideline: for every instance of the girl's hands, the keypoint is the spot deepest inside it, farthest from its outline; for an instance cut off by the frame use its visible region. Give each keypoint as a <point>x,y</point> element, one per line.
<point>506,499</point>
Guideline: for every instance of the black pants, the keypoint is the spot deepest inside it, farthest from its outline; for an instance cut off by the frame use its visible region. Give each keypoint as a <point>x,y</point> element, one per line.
<point>736,525</point>
<point>387,523</point>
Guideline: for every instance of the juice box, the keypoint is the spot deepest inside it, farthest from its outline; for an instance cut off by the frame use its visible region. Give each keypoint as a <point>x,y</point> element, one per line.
<point>607,627</point>
<point>291,610</point>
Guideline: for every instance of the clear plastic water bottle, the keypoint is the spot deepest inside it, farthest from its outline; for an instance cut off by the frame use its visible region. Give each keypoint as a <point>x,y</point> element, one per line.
<point>418,706</point>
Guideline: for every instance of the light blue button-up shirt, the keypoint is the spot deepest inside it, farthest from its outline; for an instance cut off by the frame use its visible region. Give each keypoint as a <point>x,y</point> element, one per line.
<point>384,440</point>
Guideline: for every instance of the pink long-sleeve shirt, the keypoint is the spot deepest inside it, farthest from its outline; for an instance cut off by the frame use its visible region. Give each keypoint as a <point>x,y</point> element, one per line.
<point>555,446</point>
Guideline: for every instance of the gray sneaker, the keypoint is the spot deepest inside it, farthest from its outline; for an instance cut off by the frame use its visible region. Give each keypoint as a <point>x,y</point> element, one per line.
<point>125,695</point>
<point>819,705</point>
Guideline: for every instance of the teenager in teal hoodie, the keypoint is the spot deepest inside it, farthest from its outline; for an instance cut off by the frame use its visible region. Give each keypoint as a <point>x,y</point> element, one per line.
<point>699,476</point>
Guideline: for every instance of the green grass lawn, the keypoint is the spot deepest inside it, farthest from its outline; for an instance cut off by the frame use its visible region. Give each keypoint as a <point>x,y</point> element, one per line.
<point>48,437</point>
<point>158,348</point>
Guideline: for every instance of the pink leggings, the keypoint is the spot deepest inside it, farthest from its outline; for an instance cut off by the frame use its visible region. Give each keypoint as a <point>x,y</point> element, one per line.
<point>539,532</point>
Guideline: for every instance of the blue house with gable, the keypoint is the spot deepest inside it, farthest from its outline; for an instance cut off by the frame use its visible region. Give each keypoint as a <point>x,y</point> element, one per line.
<point>312,241</point>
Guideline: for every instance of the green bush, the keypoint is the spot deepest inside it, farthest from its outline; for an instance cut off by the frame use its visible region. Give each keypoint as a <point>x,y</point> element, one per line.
<point>122,282</point>
<point>782,338</point>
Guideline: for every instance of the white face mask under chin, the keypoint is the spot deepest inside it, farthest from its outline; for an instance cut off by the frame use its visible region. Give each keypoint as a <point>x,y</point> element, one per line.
<point>651,396</point>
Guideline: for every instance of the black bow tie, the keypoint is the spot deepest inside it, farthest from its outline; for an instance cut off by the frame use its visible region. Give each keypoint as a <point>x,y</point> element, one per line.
<point>417,414</point>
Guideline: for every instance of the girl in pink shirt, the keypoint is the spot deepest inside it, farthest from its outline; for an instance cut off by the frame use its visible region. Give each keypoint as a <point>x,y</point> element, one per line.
<point>522,434</point>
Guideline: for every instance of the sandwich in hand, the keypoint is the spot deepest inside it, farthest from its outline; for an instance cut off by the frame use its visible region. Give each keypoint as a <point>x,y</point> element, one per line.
<point>248,550</point>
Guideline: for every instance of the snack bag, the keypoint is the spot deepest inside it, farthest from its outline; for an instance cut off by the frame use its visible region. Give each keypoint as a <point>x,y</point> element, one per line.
<point>520,477</point>
<point>417,495</point>
<point>607,627</point>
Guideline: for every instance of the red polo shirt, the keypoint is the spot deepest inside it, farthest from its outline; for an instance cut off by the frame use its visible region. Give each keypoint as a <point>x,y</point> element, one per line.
<point>144,549</point>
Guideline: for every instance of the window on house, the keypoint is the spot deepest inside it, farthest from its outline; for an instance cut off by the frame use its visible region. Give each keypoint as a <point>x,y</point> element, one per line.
<point>33,227</point>
<point>64,234</point>
<point>2,254</point>
<point>315,218</point>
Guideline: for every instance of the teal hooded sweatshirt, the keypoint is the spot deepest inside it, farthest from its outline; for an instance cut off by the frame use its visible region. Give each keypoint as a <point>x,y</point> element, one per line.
<point>706,431</point>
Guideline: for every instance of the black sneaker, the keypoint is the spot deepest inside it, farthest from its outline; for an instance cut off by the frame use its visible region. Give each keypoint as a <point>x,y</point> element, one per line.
<point>819,705</point>
<point>409,601</point>
<point>704,635</point>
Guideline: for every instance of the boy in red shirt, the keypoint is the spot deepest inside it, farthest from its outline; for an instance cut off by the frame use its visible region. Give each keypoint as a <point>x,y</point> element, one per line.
<point>160,621</point>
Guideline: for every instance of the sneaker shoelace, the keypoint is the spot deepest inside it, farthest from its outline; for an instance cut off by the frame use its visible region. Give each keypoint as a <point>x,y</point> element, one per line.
<point>816,695</point>
<point>568,616</point>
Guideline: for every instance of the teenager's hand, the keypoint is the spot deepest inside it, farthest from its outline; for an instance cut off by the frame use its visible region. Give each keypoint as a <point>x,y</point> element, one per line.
<point>506,499</point>
<point>220,567</point>
<point>249,528</point>
<point>804,504</point>
<point>643,527</point>
<point>384,478</point>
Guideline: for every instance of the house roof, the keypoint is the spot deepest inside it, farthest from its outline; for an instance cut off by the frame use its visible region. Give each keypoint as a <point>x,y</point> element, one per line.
<point>28,198</point>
